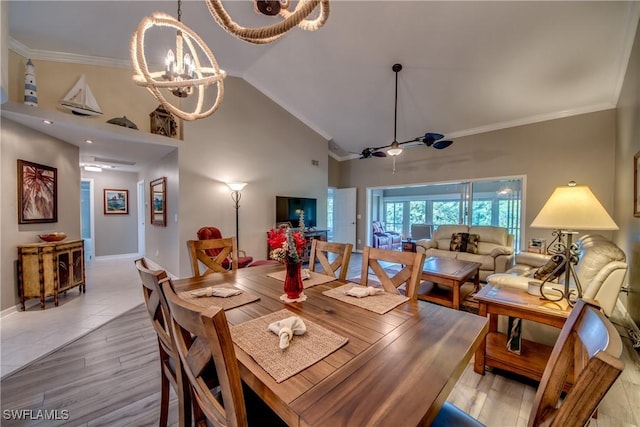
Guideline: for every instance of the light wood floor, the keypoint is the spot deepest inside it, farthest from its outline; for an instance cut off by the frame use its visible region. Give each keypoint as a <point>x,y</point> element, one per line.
<point>111,377</point>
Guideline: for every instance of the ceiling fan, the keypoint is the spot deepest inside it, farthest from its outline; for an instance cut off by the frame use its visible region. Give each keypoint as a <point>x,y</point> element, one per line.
<point>429,139</point>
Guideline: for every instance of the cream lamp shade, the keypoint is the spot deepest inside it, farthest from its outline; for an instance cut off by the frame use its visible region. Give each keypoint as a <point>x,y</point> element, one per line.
<point>236,186</point>
<point>573,207</point>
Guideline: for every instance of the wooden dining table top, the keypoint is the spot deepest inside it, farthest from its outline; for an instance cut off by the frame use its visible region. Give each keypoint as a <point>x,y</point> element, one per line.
<point>396,369</point>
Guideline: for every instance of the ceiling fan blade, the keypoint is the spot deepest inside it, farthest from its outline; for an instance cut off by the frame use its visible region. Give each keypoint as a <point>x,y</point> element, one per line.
<point>433,137</point>
<point>442,144</point>
<point>379,154</point>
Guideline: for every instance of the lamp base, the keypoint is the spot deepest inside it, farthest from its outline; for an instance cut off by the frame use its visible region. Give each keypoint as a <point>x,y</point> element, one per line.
<point>569,253</point>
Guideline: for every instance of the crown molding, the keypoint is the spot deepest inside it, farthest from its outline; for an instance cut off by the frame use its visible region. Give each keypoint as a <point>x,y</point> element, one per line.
<point>45,55</point>
<point>631,27</point>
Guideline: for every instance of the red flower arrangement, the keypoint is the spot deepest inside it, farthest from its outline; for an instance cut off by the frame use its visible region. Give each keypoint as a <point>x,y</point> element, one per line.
<point>286,245</point>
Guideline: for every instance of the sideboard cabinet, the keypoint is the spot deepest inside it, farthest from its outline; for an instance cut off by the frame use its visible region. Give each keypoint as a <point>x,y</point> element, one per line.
<point>46,269</point>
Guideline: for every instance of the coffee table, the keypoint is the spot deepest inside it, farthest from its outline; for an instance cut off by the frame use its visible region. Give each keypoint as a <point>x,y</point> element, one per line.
<point>451,273</point>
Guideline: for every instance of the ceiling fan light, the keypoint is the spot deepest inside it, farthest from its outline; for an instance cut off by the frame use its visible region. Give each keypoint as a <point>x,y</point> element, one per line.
<point>395,149</point>
<point>442,144</point>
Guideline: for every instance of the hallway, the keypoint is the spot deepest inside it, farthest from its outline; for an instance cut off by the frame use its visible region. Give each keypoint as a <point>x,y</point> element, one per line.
<point>112,289</point>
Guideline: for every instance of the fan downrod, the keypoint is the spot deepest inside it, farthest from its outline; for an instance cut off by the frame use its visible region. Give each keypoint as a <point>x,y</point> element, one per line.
<point>396,67</point>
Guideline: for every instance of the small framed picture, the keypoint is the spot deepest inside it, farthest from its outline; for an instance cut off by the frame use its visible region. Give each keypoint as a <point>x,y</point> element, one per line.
<point>158,201</point>
<point>37,193</point>
<point>116,202</point>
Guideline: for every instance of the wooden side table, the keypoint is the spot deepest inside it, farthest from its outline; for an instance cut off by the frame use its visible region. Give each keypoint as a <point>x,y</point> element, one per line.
<point>408,246</point>
<point>494,301</point>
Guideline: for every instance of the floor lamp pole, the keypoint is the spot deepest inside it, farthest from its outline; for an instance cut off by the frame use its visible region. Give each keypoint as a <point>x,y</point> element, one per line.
<point>235,196</point>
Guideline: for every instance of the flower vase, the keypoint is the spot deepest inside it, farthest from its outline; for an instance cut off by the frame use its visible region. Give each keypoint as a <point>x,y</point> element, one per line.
<point>293,280</point>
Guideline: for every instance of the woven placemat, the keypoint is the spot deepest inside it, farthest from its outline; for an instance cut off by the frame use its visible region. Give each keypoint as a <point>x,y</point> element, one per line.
<point>225,303</point>
<point>315,279</point>
<point>262,345</point>
<point>379,303</point>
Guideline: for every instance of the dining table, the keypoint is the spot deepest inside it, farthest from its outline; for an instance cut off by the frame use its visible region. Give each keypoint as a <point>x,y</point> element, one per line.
<point>395,369</point>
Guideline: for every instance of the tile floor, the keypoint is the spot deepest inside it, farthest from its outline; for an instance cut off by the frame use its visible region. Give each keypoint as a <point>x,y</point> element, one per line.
<point>112,289</point>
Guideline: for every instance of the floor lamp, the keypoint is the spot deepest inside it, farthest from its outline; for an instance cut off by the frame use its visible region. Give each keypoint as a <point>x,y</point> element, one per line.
<point>571,207</point>
<point>236,188</point>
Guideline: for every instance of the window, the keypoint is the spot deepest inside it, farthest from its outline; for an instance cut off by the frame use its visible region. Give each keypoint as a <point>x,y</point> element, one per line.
<point>393,216</point>
<point>446,213</point>
<point>488,203</point>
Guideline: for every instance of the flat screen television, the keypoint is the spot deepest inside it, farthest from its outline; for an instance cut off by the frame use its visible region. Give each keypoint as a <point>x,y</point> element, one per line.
<point>287,210</point>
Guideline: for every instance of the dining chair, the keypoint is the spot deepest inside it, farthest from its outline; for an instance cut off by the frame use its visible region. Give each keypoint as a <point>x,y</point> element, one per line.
<point>590,346</point>
<point>390,278</point>
<point>205,348</point>
<point>208,233</point>
<point>320,251</point>
<point>170,366</point>
<point>200,251</point>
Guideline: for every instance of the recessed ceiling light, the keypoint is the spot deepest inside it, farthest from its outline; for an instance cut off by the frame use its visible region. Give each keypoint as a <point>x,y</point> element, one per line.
<point>89,141</point>
<point>47,122</point>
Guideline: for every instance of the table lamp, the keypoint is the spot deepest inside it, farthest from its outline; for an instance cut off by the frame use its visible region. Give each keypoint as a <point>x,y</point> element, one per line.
<point>571,207</point>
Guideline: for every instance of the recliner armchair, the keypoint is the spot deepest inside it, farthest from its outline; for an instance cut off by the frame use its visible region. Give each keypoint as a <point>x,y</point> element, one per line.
<point>206,233</point>
<point>385,239</point>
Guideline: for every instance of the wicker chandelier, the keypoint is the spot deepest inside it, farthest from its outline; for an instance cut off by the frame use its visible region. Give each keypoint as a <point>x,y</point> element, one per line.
<point>183,71</point>
<point>262,35</point>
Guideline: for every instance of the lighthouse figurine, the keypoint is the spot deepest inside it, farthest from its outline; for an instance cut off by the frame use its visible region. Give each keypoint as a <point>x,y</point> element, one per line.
<point>30,92</point>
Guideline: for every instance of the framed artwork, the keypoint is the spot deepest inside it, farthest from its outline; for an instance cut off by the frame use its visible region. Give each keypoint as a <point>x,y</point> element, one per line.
<point>116,202</point>
<point>636,185</point>
<point>37,193</point>
<point>159,201</point>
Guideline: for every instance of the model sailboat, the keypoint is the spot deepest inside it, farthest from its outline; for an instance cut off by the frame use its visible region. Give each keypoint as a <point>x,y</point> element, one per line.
<point>80,100</point>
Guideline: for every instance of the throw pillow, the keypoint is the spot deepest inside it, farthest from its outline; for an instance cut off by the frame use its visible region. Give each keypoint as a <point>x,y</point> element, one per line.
<point>547,272</point>
<point>464,242</point>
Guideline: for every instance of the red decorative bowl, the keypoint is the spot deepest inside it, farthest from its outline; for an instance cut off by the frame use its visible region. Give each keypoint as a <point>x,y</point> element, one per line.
<point>53,237</point>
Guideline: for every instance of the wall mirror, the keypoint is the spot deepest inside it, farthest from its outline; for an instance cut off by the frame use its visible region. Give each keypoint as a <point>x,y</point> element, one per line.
<point>159,201</point>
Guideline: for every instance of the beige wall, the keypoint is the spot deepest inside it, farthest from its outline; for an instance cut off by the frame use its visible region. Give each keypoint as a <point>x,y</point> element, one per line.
<point>334,172</point>
<point>114,234</point>
<point>19,142</point>
<point>249,139</point>
<point>113,88</point>
<point>162,244</point>
<point>579,148</point>
<point>628,144</point>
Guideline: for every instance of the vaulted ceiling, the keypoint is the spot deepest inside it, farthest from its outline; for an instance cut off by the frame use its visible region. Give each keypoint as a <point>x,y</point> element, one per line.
<point>469,67</point>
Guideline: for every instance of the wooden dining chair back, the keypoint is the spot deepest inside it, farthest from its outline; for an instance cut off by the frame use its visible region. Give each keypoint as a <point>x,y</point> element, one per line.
<point>321,251</point>
<point>409,273</point>
<point>200,250</point>
<point>169,361</point>
<point>588,345</point>
<point>591,346</point>
<point>203,343</point>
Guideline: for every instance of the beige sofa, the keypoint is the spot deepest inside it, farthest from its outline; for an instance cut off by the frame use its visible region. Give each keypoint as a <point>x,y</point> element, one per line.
<point>601,269</point>
<point>494,248</point>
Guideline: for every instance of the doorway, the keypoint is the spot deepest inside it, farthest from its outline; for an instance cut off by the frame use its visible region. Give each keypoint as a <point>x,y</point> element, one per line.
<point>343,215</point>
<point>87,223</point>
